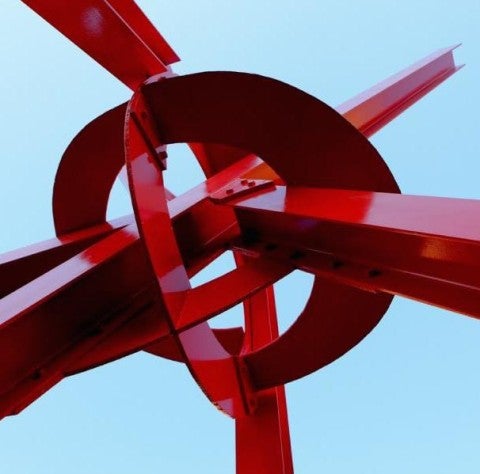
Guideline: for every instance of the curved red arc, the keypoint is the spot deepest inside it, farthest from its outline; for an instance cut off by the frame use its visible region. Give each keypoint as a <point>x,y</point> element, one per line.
<point>205,356</point>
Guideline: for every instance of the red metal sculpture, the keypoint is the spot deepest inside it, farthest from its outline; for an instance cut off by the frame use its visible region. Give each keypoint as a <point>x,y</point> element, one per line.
<point>290,184</point>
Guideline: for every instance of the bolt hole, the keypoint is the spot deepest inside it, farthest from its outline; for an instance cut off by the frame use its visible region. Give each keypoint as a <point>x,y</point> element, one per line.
<point>37,374</point>
<point>337,264</point>
<point>271,246</point>
<point>250,237</point>
<point>374,272</point>
<point>94,331</point>
<point>297,254</point>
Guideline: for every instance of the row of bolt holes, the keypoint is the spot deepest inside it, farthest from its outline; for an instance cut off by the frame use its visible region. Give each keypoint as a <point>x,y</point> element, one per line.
<point>336,264</point>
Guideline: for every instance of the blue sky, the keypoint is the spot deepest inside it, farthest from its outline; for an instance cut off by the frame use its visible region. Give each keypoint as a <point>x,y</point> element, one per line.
<point>404,400</point>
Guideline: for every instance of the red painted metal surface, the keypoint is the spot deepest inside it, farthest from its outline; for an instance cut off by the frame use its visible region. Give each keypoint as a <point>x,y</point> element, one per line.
<point>322,201</point>
<point>114,33</point>
<point>374,108</point>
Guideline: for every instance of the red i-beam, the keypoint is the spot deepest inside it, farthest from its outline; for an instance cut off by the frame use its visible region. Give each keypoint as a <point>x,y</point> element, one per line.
<point>290,184</point>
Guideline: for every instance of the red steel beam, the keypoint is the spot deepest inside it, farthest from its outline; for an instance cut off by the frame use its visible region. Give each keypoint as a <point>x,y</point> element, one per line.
<point>425,248</point>
<point>19,267</point>
<point>45,324</point>
<point>368,111</point>
<point>116,34</point>
<point>143,27</point>
<point>374,108</point>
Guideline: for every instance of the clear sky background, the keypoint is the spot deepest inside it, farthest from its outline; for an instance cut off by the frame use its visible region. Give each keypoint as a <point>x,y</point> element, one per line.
<point>407,398</point>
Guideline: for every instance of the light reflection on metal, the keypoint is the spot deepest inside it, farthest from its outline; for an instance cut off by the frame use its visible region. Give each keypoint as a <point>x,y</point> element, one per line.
<point>322,201</point>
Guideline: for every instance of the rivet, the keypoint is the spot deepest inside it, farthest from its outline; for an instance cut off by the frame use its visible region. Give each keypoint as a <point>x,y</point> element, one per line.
<point>250,236</point>
<point>374,272</point>
<point>37,374</point>
<point>296,255</point>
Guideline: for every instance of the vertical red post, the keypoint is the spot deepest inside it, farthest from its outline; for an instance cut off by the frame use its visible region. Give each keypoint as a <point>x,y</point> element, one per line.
<point>263,438</point>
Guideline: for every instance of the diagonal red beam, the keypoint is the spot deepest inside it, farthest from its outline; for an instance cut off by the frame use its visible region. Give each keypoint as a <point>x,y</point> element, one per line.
<point>368,111</point>
<point>21,266</point>
<point>212,298</point>
<point>143,27</point>
<point>43,322</point>
<point>372,109</point>
<point>116,34</point>
<point>421,247</point>
<point>64,360</point>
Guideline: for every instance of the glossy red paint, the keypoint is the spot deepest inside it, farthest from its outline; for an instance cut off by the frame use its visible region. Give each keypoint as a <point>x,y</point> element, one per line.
<point>115,33</point>
<point>216,371</point>
<point>269,425</point>
<point>374,108</point>
<point>322,201</point>
<point>420,247</point>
